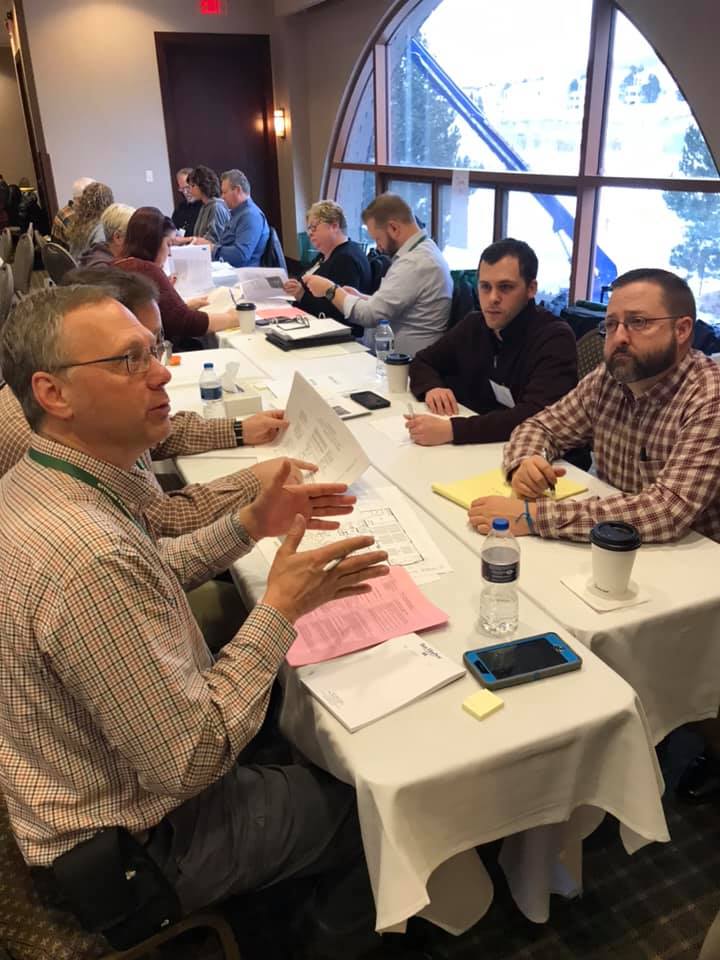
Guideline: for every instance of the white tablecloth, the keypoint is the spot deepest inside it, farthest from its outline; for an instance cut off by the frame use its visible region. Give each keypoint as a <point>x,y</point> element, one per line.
<point>668,649</point>
<point>432,782</point>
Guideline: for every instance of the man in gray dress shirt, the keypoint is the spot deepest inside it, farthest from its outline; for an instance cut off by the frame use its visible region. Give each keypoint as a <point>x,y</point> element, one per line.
<point>415,293</point>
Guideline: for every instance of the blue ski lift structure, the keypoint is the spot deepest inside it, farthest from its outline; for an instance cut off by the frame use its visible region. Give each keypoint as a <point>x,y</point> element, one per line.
<point>562,220</point>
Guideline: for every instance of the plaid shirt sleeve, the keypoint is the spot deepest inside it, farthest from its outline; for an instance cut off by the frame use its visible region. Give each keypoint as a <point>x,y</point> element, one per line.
<point>130,663</point>
<point>193,434</point>
<point>560,427</point>
<point>198,504</point>
<point>15,431</point>
<point>673,494</point>
<point>196,557</point>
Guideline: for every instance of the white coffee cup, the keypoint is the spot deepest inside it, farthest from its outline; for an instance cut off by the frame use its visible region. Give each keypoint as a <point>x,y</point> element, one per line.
<point>397,366</point>
<point>246,316</point>
<point>614,546</point>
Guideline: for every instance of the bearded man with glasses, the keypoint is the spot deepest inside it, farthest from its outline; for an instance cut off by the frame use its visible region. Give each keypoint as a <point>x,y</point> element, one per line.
<point>651,414</point>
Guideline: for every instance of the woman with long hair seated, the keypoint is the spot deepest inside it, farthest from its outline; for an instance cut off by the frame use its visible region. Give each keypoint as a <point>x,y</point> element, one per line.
<point>339,259</point>
<point>85,228</point>
<point>146,251</point>
<point>214,214</point>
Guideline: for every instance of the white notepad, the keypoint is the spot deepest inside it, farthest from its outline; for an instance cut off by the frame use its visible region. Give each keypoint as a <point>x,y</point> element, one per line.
<point>365,686</point>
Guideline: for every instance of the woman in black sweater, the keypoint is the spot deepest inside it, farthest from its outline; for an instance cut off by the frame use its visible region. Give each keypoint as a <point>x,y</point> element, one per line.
<point>340,260</point>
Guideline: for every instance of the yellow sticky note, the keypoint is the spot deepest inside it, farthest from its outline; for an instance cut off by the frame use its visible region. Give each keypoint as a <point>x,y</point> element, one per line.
<point>482,704</point>
<point>492,484</point>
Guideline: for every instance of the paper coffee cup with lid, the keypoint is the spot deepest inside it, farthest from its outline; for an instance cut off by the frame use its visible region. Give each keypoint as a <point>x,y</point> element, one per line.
<point>614,545</point>
<point>246,316</point>
<point>397,366</point>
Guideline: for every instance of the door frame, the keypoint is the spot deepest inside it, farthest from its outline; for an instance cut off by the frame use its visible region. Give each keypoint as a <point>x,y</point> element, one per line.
<point>167,39</point>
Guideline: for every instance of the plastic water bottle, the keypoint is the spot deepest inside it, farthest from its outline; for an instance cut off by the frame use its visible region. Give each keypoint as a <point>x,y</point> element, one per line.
<point>500,559</point>
<point>384,344</point>
<point>211,393</point>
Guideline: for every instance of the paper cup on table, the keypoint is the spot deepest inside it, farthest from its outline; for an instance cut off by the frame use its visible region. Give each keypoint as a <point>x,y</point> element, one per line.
<point>614,545</point>
<point>246,316</point>
<point>397,366</point>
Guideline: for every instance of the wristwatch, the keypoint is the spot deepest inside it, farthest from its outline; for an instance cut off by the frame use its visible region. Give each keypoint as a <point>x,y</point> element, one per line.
<point>330,292</point>
<point>238,430</point>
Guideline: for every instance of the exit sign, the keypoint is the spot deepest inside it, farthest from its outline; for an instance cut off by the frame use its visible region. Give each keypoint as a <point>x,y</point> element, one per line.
<point>212,8</point>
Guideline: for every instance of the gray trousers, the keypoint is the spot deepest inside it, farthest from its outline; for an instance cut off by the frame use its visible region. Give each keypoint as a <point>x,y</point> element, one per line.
<point>259,825</point>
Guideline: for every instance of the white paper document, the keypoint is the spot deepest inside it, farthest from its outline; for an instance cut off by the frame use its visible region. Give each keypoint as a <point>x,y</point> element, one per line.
<point>191,265</point>
<point>394,428</point>
<point>262,283</point>
<point>318,435</point>
<point>331,388</point>
<point>365,686</point>
<point>382,512</point>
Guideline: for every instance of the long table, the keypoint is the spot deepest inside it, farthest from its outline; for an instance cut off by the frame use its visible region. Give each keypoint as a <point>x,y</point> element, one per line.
<point>433,783</point>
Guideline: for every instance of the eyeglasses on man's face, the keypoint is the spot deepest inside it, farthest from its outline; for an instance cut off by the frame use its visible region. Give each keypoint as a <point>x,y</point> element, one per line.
<point>137,359</point>
<point>632,324</point>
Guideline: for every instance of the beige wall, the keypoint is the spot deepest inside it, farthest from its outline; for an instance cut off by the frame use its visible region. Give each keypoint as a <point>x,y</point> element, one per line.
<point>15,156</point>
<point>100,100</point>
<point>98,88</point>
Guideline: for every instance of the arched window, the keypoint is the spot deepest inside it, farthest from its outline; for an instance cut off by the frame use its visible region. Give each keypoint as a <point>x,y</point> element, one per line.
<point>554,122</point>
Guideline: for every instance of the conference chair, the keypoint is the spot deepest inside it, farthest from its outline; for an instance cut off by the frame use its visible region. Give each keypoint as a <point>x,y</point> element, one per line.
<point>464,301</point>
<point>56,260</point>
<point>7,289</point>
<point>23,264</point>
<point>31,931</point>
<point>589,352</point>
<point>6,245</point>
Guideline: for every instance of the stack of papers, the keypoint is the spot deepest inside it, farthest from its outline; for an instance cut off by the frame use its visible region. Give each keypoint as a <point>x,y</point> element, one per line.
<point>363,687</point>
<point>262,283</point>
<point>384,513</point>
<point>393,606</point>
<point>316,434</point>
<point>493,484</point>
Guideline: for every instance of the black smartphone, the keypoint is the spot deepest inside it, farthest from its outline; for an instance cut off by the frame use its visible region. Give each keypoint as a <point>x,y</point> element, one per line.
<point>370,400</point>
<point>521,661</point>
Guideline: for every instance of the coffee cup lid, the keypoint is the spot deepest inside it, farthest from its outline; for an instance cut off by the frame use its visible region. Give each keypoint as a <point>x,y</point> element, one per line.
<point>615,535</point>
<point>245,305</point>
<point>396,359</point>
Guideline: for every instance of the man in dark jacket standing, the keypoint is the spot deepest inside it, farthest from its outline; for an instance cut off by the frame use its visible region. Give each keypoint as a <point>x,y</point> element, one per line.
<point>506,362</point>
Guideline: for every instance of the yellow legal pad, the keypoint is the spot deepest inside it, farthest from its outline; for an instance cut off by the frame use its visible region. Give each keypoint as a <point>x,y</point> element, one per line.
<point>492,484</point>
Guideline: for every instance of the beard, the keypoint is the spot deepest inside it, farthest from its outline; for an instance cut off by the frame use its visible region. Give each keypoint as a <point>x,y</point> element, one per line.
<point>627,367</point>
<point>390,248</point>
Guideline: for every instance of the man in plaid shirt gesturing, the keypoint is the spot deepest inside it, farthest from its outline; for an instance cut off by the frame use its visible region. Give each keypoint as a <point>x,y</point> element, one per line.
<point>651,413</point>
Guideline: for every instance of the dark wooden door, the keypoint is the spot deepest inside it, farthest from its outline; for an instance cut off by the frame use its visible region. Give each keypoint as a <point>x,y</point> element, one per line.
<point>218,105</point>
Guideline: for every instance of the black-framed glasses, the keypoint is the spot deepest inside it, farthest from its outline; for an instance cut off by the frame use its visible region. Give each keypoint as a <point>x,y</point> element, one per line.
<point>633,324</point>
<point>137,359</point>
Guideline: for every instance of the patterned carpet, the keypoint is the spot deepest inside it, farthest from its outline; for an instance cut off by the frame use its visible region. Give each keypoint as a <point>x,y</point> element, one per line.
<point>654,905</point>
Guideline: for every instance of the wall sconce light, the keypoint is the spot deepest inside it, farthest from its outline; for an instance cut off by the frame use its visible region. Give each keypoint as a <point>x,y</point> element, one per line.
<point>279,121</point>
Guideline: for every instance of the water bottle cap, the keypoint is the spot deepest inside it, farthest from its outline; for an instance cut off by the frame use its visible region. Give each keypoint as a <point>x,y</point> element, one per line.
<point>500,523</point>
<point>208,366</point>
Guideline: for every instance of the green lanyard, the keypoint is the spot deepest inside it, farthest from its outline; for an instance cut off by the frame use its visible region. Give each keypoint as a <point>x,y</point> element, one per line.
<point>55,463</point>
<point>417,243</point>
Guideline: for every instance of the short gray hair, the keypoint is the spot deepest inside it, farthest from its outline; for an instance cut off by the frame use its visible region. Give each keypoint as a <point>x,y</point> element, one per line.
<point>327,211</point>
<point>31,339</point>
<point>236,178</point>
<point>114,219</point>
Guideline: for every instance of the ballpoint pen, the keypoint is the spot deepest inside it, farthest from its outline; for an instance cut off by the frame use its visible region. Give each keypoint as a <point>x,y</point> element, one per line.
<point>232,296</point>
<point>410,410</point>
<point>551,486</point>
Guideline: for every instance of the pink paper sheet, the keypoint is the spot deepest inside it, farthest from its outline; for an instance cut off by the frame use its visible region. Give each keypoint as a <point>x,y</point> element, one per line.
<point>282,310</point>
<point>394,606</point>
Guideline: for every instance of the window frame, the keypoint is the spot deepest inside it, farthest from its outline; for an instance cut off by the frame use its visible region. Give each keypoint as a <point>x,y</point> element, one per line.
<point>585,186</point>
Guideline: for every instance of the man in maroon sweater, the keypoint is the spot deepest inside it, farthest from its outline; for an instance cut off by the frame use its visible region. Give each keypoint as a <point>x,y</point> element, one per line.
<point>506,362</point>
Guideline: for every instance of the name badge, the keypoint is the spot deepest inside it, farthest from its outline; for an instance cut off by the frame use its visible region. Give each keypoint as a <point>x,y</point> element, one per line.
<point>502,394</point>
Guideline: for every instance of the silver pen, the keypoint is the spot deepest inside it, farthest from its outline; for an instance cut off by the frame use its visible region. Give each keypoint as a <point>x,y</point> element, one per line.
<point>410,410</point>
<point>551,486</point>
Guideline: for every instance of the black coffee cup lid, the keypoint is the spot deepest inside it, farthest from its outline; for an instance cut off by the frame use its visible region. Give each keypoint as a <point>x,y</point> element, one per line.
<point>615,535</point>
<point>245,305</point>
<point>397,359</point>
